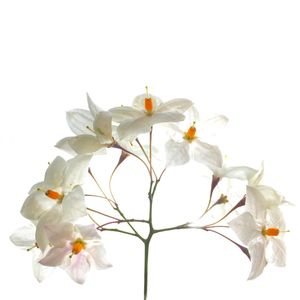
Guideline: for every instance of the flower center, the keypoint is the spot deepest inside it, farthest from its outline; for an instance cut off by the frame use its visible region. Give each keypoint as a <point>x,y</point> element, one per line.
<point>54,195</point>
<point>148,103</point>
<point>190,135</point>
<point>77,246</point>
<point>270,231</point>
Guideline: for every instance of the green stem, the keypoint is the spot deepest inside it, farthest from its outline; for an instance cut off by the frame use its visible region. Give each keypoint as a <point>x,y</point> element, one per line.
<point>146,267</point>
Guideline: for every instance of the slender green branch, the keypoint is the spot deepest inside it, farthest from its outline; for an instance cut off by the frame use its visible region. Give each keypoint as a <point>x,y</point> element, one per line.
<point>117,230</point>
<point>122,221</point>
<point>101,213</point>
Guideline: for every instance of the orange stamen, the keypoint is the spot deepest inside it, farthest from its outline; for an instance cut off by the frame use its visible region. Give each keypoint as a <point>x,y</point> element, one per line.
<point>191,133</point>
<point>148,105</point>
<point>77,246</point>
<point>54,195</point>
<point>271,231</point>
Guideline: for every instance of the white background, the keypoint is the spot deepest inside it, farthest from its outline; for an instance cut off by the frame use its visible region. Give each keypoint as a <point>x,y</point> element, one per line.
<point>239,58</point>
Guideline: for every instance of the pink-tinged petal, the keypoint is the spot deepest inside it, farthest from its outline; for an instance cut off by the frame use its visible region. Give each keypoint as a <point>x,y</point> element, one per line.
<point>94,109</point>
<point>177,153</point>
<point>98,254</point>
<point>88,232</point>
<point>79,120</point>
<point>279,252</point>
<point>55,172</point>
<point>59,234</point>
<point>53,216</point>
<point>177,105</point>
<point>77,267</point>
<point>73,205</point>
<point>240,172</point>
<point>24,237</point>
<point>139,102</point>
<point>76,170</point>
<point>56,256</point>
<point>103,127</point>
<point>124,113</point>
<point>255,204</point>
<point>258,258</point>
<point>207,154</point>
<point>40,272</point>
<point>245,228</point>
<point>81,144</point>
<point>35,205</point>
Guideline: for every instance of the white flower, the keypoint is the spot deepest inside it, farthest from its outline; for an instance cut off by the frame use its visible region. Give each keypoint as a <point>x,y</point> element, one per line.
<point>257,228</point>
<point>191,146</point>
<point>146,111</point>
<point>93,130</point>
<point>59,197</point>
<point>24,238</point>
<point>75,249</point>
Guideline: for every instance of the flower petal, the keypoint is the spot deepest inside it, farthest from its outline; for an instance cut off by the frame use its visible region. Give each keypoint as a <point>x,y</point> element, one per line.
<point>55,257</point>
<point>245,228</point>
<point>103,127</point>
<point>75,171</point>
<point>207,154</point>
<point>40,272</point>
<point>255,204</point>
<point>59,233</point>
<point>77,267</point>
<point>240,172</point>
<point>35,205</point>
<point>124,113</point>
<point>99,256</point>
<point>24,237</point>
<point>78,121</point>
<point>279,252</point>
<point>258,258</point>
<point>177,153</point>
<point>73,205</point>
<point>180,105</point>
<point>55,172</point>
<point>94,109</point>
<point>88,232</point>
<point>81,144</point>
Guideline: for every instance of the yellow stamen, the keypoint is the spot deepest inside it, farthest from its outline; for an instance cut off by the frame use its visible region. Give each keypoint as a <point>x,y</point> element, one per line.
<point>77,246</point>
<point>270,231</point>
<point>191,133</point>
<point>54,195</point>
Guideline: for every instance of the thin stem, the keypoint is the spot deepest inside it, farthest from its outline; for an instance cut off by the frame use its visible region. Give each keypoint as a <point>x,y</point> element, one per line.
<point>146,269</point>
<point>98,196</point>
<point>101,213</point>
<point>122,221</point>
<point>117,230</point>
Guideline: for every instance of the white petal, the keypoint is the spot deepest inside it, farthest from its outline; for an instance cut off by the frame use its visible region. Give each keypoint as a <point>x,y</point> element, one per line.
<point>55,172</point>
<point>206,154</point>
<point>55,257</point>
<point>103,127</point>
<point>279,252</point>
<point>211,127</point>
<point>245,228</point>
<point>79,120</point>
<point>178,105</point>
<point>275,218</point>
<point>81,144</point>
<point>40,272</point>
<point>77,267</point>
<point>124,113</point>
<point>257,178</point>
<point>99,256</point>
<point>53,216</point>
<point>73,205</point>
<point>59,233</point>
<point>88,232</point>
<point>177,153</point>
<point>24,237</point>
<point>94,109</point>
<point>255,204</point>
<point>76,170</point>
<point>35,205</point>
<point>240,172</point>
<point>269,196</point>
<point>258,258</point>
<point>139,102</point>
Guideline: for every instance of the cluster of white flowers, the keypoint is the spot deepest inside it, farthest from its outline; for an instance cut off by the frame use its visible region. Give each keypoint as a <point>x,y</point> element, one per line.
<point>56,205</point>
